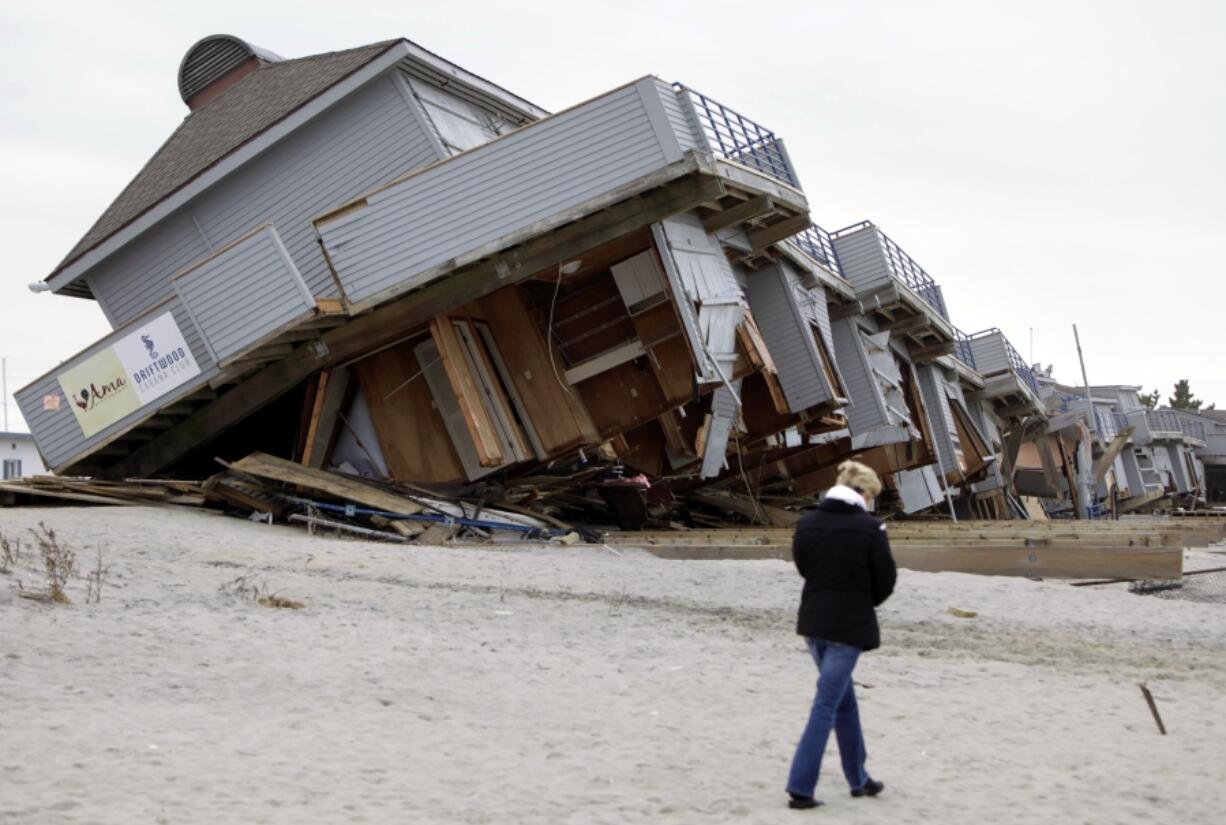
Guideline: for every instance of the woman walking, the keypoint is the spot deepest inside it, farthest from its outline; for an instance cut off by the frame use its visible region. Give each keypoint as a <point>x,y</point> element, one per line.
<point>844,556</point>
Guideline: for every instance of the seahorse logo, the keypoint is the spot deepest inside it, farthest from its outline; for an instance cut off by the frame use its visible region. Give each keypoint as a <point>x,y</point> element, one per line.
<point>148,342</point>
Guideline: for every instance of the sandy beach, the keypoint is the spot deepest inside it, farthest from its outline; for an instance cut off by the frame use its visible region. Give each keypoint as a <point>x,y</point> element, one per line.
<point>571,685</point>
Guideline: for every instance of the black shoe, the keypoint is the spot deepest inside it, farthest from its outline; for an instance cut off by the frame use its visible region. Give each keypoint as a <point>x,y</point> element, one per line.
<point>871,788</point>
<point>802,803</point>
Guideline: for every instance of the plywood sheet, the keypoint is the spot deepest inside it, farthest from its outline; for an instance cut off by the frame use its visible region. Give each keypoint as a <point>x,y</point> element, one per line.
<point>624,397</point>
<point>557,414</point>
<point>411,431</point>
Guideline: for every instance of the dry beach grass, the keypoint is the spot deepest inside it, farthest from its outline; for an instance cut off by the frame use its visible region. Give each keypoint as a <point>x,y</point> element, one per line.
<point>570,685</point>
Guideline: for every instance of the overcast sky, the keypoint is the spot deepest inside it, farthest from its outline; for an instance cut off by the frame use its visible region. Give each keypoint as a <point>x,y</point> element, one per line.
<point>1049,163</point>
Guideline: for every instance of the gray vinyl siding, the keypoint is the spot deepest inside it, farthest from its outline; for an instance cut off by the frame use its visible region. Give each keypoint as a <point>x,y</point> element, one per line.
<point>985,421</point>
<point>1132,473</point>
<point>366,140</point>
<point>932,388</point>
<point>1178,467</point>
<point>918,489</point>
<point>139,275</point>
<point>724,411</point>
<point>681,118</point>
<point>707,279</point>
<point>483,195</point>
<point>789,338</point>
<point>990,354</point>
<point>244,294</point>
<point>867,408</point>
<point>57,433</point>
<point>862,260</point>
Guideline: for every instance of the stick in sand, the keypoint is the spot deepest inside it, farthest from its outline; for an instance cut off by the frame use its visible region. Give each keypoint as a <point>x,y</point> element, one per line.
<point>1153,708</point>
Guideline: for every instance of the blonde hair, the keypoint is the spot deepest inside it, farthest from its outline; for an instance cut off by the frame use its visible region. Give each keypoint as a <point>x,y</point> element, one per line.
<point>859,477</point>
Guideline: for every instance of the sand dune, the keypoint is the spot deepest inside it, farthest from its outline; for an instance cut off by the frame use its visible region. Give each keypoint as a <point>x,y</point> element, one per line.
<point>572,686</point>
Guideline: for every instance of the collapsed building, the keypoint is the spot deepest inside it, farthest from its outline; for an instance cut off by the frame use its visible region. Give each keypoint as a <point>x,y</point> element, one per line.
<point>378,261</point>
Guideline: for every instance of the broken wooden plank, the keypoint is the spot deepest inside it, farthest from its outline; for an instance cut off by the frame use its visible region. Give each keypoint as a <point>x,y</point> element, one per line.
<point>776,232</point>
<point>266,466</point>
<point>741,213</point>
<point>315,521</point>
<point>327,420</point>
<point>477,418</point>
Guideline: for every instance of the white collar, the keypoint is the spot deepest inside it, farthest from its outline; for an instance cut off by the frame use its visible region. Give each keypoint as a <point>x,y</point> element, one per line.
<point>843,493</point>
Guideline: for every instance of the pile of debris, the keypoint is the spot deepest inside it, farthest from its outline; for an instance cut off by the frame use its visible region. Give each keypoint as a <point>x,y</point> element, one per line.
<point>572,503</point>
<point>580,504</point>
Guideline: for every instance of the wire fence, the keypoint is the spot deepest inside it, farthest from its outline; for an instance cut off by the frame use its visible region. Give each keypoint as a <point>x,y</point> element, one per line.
<point>1203,587</point>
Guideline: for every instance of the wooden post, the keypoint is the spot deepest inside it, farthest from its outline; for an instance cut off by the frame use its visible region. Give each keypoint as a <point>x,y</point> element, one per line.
<point>1153,707</point>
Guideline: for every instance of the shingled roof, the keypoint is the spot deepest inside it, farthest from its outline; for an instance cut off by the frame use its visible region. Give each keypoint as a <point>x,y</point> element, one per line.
<point>255,103</point>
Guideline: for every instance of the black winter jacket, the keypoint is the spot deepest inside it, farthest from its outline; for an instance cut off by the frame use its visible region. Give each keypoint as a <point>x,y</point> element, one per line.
<point>844,556</point>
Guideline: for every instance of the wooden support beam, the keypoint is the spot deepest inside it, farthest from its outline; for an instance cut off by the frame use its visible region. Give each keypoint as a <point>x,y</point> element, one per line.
<point>264,354</point>
<point>1015,410</point>
<point>921,355</point>
<point>179,410</point>
<point>336,392</point>
<point>1113,449</point>
<point>386,324</point>
<point>738,214</point>
<point>776,232</point>
<point>908,325</point>
<point>1012,446</point>
<point>298,334</point>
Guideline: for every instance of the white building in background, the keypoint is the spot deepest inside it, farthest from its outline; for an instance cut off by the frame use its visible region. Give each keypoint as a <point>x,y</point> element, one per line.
<point>19,457</point>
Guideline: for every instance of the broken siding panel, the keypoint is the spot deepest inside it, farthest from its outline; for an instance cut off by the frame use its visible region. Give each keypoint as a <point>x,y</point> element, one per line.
<point>702,264</point>
<point>481,196</point>
<point>708,281</point>
<point>363,141</point>
<point>862,260</point>
<point>918,489</point>
<point>788,338</point>
<point>945,433</point>
<point>244,293</point>
<point>57,433</point>
<point>724,412</point>
<point>815,305</point>
<point>867,408</point>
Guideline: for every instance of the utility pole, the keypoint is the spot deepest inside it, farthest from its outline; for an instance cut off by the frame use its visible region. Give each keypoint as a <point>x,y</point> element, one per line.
<point>1087,455</point>
<point>4,388</point>
<point>1086,381</point>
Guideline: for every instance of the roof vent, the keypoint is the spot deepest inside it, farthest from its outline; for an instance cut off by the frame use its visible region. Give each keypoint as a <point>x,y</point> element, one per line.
<point>216,63</point>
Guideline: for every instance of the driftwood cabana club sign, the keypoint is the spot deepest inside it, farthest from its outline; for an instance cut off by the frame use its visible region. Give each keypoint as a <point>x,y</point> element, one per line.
<point>135,370</point>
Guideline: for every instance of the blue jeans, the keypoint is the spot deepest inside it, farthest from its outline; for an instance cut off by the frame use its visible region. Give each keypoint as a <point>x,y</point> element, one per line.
<point>833,707</point>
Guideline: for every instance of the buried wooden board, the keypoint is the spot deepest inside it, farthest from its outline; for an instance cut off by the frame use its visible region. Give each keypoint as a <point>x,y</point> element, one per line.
<point>412,433</point>
<point>262,465</point>
<point>1030,562</point>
